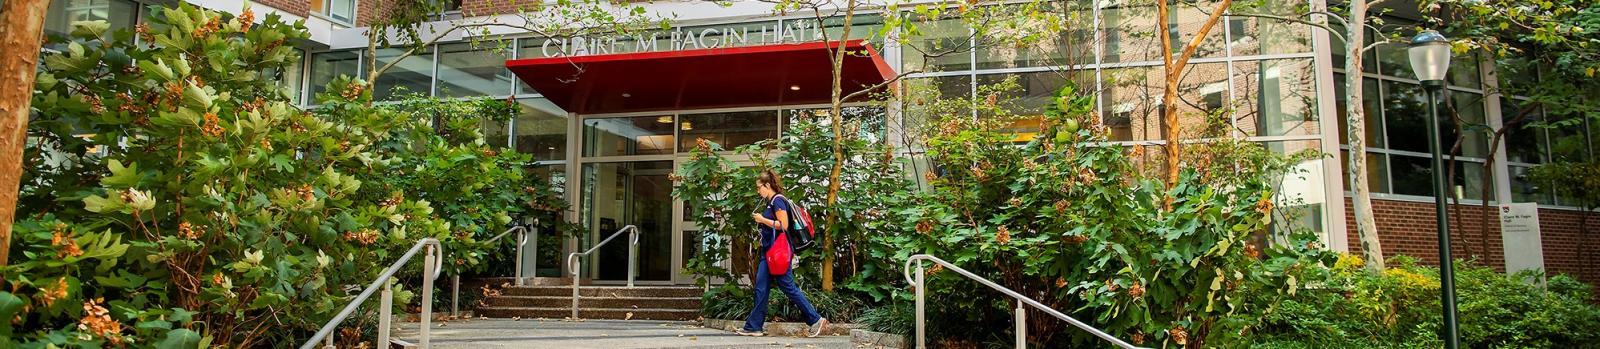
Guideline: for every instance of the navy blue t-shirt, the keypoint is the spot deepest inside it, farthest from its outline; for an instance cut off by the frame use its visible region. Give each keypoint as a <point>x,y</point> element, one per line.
<point>768,234</point>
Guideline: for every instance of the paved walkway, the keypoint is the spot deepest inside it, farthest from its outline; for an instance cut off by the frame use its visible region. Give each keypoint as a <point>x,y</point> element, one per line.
<point>602,334</point>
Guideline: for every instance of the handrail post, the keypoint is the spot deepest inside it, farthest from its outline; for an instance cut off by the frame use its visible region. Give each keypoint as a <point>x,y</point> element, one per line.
<point>427,292</point>
<point>921,290</point>
<point>1022,326</point>
<point>574,263</point>
<point>455,295</point>
<point>522,238</point>
<point>633,254</point>
<point>535,238</point>
<point>385,314</point>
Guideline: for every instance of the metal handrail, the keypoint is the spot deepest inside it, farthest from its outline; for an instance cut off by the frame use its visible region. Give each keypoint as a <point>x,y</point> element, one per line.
<point>431,262</point>
<point>522,239</point>
<point>573,263</point>
<point>1021,320</point>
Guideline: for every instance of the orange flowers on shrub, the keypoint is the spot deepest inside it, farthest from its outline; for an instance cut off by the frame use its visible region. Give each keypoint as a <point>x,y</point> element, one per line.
<point>212,126</point>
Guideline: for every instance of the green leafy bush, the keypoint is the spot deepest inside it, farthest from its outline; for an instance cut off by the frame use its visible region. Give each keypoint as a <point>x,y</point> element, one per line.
<point>1079,226</point>
<point>1061,217</point>
<point>893,318</point>
<point>1399,308</point>
<point>872,184</point>
<point>175,198</point>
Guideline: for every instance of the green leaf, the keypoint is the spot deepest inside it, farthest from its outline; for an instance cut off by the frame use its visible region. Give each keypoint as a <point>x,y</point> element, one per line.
<point>10,304</point>
<point>101,204</point>
<point>121,177</point>
<point>182,338</point>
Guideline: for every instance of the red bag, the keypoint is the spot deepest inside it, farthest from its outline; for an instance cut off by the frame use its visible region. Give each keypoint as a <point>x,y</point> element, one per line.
<point>779,255</point>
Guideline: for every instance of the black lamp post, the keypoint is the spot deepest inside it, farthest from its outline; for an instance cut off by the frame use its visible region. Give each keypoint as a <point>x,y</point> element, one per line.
<point>1430,59</point>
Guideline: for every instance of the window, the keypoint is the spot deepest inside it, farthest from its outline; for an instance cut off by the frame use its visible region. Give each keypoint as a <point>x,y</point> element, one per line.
<point>1370,103</point>
<point>643,135</point>
<point>1300,192</point>
<point>730,130</point>
<point>930,97</point>
<point>1132,102</point>
<point>411,75</point>
<point>330,65</point>
<point>870,120</point>
<point>1129,32</point>
<point>1032,93</point>
<point>1261,36</point>
<point>944,45</point>
<point>1339,50</point>
<point>469,70</point>
<point>293,75</point>
<point>59,17</point>
<point>540,129</point>
<point>1038,41</point>
<point>338,10</point>
<point>1278,98</point>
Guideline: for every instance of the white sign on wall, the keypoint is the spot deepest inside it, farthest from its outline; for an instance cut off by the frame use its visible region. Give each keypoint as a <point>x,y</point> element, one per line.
<point>1519,233</point>
<point>676,39</point>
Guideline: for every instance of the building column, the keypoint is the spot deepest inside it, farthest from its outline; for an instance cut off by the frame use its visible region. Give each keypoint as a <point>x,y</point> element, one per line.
<point>1335,231</point>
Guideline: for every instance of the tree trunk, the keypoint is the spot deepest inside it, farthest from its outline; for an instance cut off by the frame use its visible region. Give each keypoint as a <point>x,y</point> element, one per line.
<point>837,122</point>
<point>1169,97</point>
<point>1174,74</point>
<point>1484,182</point>
<point>21,32</point>
<point>1356,128</point>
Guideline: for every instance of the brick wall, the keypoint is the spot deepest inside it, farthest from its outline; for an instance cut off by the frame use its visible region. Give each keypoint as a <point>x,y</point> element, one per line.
<point>368,11</point>
<point>1564,244</point>
<point>300,8</point>
<point>473,8</point>
<point>1408,228</point>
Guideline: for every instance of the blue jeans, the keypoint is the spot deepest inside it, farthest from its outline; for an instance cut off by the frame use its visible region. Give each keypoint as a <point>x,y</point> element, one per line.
<point>758,316</point>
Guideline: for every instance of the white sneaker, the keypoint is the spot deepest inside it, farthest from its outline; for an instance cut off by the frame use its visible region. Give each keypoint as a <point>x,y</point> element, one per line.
<point>742,332</point>
<point>816,328</point>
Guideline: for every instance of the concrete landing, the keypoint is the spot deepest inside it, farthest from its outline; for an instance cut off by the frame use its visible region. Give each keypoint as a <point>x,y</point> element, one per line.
<point>602,334</point>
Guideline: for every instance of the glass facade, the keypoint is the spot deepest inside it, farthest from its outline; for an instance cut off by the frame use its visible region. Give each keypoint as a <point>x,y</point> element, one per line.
<point>121,14</point>
<point>1396,109</point>
<point>1253,79</point>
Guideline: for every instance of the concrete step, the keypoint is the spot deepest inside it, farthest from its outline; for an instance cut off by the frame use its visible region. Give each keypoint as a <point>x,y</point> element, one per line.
<point>685,303</point>
<point>604,291</point>
<point>589,313</point>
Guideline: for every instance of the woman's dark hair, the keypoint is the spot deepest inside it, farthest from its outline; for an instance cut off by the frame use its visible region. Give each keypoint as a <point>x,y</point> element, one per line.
<point>772,180</point>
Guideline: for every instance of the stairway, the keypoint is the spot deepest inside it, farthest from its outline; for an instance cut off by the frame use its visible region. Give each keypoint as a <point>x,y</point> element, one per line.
<point>595,302</point>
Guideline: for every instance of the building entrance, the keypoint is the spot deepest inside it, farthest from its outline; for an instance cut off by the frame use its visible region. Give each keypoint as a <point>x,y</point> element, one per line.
<point>635,117</point>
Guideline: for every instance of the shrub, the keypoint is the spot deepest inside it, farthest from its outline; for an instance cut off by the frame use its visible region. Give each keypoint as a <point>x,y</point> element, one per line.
<point>872,184</point>
<point>1078,226</point>
<point>179,200</point>
<point>892,318</point>
<point>1399,308</point>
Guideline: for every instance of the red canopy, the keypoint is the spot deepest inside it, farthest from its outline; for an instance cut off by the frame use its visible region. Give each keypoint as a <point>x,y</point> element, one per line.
<point>784,74</point>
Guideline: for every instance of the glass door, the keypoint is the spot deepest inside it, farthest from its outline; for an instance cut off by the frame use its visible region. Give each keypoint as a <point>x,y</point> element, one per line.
<point>624,182</point>
<point>629,193</point>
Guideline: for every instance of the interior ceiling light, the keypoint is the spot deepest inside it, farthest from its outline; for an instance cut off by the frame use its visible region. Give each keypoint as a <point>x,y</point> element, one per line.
<point>664,119</point>
<point>794,87</point>
<point>626,95</point>
<point>687,126</point>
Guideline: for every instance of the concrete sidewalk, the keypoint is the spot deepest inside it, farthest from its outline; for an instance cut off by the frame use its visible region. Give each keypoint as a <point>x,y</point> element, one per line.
<point>601,334</point>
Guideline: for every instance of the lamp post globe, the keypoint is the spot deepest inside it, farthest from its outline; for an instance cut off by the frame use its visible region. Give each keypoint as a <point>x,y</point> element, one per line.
<point>1430,56</point>
<point>1430,60</point>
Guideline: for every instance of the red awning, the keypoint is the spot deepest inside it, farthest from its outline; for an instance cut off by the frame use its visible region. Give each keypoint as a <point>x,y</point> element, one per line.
<point>786,74</point>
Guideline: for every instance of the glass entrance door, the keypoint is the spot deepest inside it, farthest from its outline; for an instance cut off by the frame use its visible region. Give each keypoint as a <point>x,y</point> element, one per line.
<point>622,193</point>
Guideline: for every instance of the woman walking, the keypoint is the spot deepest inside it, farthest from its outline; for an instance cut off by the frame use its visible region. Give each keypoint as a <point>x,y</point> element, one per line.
<point>772,222</point>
